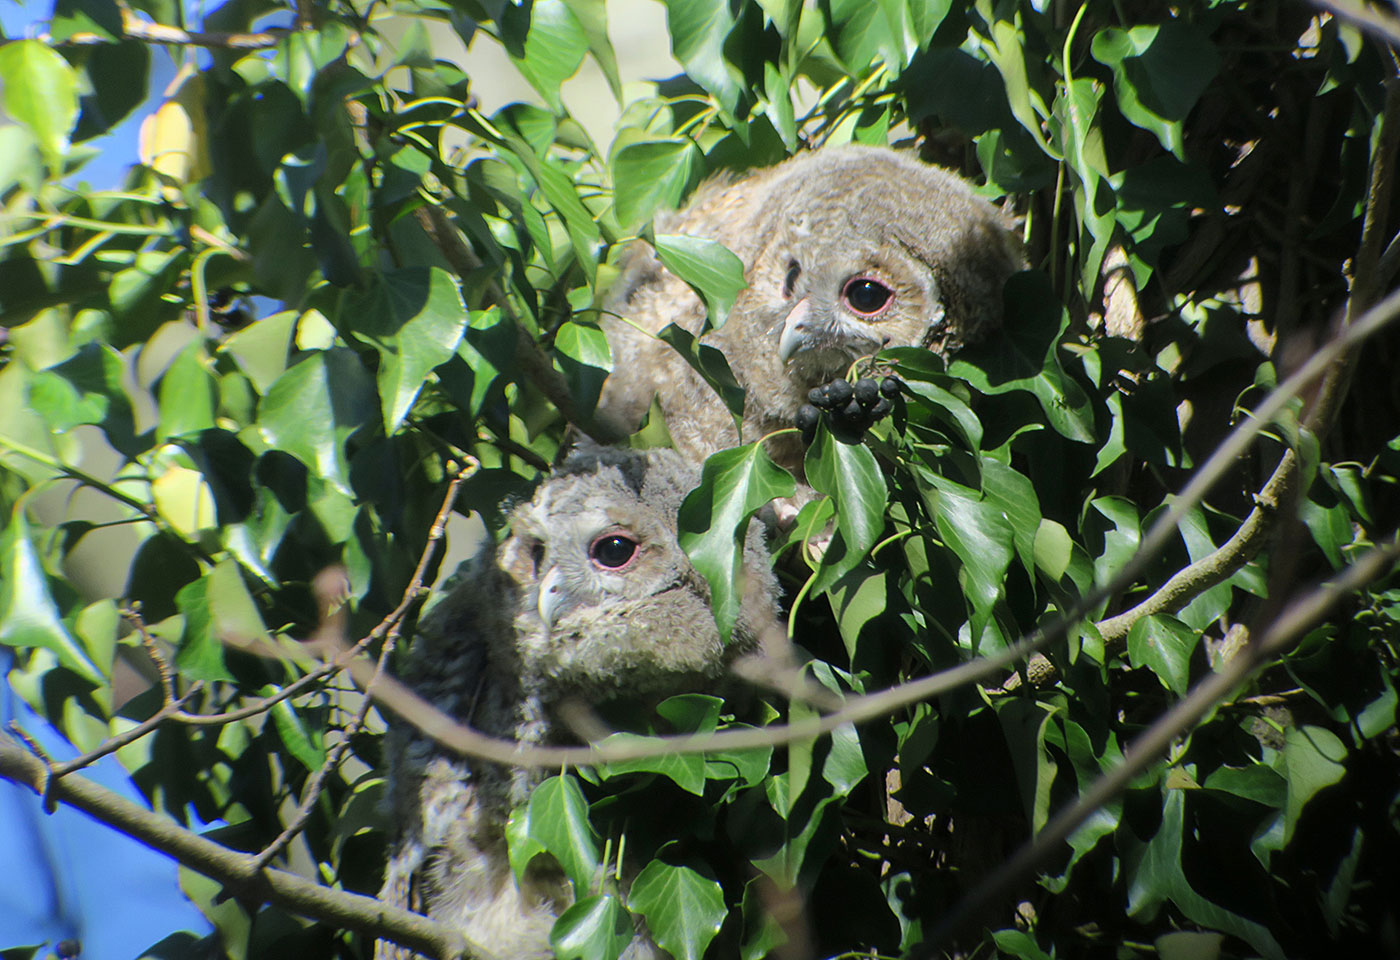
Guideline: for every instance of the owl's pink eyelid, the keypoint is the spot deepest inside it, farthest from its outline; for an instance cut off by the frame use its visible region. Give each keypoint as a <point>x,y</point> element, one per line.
<point>845,298</point>
<point>615,534</point>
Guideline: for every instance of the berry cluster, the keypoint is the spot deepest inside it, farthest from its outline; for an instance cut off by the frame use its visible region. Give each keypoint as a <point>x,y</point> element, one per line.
<point>850,408</point>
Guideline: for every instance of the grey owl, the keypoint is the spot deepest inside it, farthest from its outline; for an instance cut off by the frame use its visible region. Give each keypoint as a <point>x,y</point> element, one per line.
<point>589,597</point>
<point>844,250</point>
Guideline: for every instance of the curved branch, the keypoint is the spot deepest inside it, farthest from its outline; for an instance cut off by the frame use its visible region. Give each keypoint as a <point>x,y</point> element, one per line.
<point>1196,578</point>
<point>237,871</point>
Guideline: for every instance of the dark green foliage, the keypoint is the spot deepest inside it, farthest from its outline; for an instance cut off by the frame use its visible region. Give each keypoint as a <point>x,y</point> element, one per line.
<point>1193,182</point>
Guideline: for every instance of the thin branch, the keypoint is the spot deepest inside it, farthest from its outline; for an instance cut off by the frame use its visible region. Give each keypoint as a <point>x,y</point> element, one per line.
<point>1382,25</point>
<point>236,871</point>
<point>1301,614</point>
<point>134,28</point>
<point>1218,566</point>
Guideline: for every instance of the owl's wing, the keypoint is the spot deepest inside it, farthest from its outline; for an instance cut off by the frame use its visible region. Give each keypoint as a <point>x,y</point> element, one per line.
<point>429,788</point>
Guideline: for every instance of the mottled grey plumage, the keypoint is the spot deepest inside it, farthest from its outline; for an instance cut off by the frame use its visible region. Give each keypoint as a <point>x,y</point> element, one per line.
<point>806,230</point>
<point>549,615</point>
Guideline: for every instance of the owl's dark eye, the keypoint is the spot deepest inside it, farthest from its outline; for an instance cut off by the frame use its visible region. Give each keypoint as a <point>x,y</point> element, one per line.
<point>866,296</point>
<point>614,550</point>
<point>790,281</point>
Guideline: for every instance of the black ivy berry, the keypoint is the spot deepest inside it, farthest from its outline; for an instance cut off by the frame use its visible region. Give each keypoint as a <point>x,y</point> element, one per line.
<point>866,392</point>
<point>838,393</point>
<point>806,420</point>
<point>890,387</point>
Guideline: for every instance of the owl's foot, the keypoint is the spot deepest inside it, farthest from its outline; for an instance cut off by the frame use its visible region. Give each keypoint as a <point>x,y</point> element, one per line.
<point>850,408</point>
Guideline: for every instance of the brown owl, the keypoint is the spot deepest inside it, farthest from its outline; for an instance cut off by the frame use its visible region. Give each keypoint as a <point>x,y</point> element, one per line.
<point>845,250</point>
<point>589,598</point>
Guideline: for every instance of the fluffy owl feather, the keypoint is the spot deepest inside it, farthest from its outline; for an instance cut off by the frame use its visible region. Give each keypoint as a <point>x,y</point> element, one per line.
<point>845,250</point>
<point>590,597</point>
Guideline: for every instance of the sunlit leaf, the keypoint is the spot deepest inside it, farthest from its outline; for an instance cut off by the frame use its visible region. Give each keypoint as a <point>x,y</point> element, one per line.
<point>40,90</point>
<point>714,521</point>
<point>715,273</point>
<point>683,909</point>
<point>557,819</point>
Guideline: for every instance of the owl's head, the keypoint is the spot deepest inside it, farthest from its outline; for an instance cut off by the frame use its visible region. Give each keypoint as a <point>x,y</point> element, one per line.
<point>870,248</point>
<point>609,602</point>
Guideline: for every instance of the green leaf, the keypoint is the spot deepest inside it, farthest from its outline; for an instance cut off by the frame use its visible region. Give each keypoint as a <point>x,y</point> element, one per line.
<point>594,928</point>
<point>39,89</point>
<point>699,29</point>
<point>303,743</point>
<point>28,615</point>
<point>1024,723</point>
<point>314,407</point>
<point>1313,758</point>
<point>651,175</point>
<point>683,909</point>
<point>1159,72</point>
<point>546,43</point>
<point>708,266</point>
<point>414,317</point>
<point>874,29</point>
<point>1159,875</point>
<point>556,818</point>
<point>981,538</point>
<point>687,771</point>
<point>714,521</point>
<point>1164,645</point>
<point>592,16</point>
<point>188,394</point>
<point>1025,357</point>
<point>712,366</point>
<point>849,474</point>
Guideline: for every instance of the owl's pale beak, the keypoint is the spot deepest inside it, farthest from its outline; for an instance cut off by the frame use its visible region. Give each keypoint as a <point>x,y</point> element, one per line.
<point>796,330</point>
<point>554,599</point>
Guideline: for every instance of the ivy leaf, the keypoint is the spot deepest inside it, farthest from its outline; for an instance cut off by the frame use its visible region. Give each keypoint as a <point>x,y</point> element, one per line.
<point>651,175</point>
<point>414,318</point>
<point>686,771</point>
<point>848,473</point>
<point>1164,645</point>
<point>981,538</point>
<point>712,366</point>
<point>708,266</point>
<point>547,43</point>
<point>683,909</point>
<point>556,818</point>
<point>1313,758</point>
<point>1159,72</point>
<point>585,357</point>
<point>714,521</point>
<point>302,742</point>
<point>698,30</point>
<point>594,927</point>
<point>28,615</point>
<point>313,408</point>
<point>39,89</point>
<point>1025,357</point>
<point>188,394</point>
<point>1159,876</point>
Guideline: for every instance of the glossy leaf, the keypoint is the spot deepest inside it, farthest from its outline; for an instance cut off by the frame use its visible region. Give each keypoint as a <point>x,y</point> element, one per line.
<point>683,909</point>
<point>714,521</point>
<point>651,175</point>
<point>556,818</point>
<point>415,319</point>
<point>1164,645</point>
<point>40,90</point>
<point>313,408</point>
<point>593,927</point>
<point>715,273</point>
<point>28,615</point>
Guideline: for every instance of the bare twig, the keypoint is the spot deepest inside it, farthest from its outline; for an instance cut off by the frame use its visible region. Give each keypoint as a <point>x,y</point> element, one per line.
<point>237,871</point>
<point>134,28</point>
<point>330,633</point>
